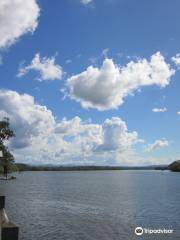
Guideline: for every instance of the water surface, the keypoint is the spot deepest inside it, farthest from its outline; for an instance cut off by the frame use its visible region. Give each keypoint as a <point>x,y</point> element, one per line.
<point>93,205</point>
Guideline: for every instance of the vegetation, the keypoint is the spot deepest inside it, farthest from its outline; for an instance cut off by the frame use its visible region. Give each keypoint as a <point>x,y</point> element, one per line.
<point>25,167</point>
<point>6,158</point>
<point>175,166</point>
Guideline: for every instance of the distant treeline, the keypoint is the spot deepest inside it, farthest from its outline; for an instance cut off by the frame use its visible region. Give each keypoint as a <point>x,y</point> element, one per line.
<point>25,167</point>
<point>20,167</point>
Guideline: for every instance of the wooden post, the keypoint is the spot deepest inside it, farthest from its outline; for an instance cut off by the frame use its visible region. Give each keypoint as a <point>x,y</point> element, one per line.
<point>9,231</point>
<point>2,202</point>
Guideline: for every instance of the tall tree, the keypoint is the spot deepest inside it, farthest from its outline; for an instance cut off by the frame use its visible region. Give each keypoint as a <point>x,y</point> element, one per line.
<point>6,133</point>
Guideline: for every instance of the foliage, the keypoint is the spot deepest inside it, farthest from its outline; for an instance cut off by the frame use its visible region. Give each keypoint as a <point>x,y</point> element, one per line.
<point>5,131</point>
<point>7,158</point>
<point>175,166</point>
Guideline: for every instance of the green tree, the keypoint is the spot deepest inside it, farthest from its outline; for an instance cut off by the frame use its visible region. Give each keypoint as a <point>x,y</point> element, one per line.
<point>7,159</point>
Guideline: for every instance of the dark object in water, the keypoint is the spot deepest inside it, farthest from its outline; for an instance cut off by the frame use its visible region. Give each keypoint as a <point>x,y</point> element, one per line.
<point>12,178</point>
<point>9,231</point>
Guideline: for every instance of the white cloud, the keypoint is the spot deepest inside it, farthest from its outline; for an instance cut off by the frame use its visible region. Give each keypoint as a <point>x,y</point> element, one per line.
<point>86,2</point>
<point>29,120</point>
<point>116,136</point>
<point>159,109</point>
<point>105,52</point>
<point>40,138</point>
<point>111,136</point>
<point>68,61</point>
<point>46,67</point>
<point>106,87</point>
<point>176,59</point>
<point>17,17</point>
<point>158,144</point>
<point>178,113</point>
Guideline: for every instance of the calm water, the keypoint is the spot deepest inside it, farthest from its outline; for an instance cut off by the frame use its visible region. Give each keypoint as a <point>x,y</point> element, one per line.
<point>93,205</point>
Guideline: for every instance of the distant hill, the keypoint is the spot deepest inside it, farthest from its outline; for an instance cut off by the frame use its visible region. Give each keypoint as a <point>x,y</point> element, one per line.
<point>175,166</point>
<point>25,167</point>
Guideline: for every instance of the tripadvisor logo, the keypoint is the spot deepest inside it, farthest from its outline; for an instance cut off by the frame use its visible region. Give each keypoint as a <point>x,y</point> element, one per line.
<point>139,231</point>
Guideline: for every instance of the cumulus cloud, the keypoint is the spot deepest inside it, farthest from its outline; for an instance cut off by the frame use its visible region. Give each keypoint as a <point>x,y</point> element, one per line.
<point>159,109</point>
<point>86,2</point>
<point>176,59</point>
<point>46,67</point>
<point>28,119</point>
<point>116,136</point>
<point>74,126</point>
<point>106,87</point>
<point>17,17</point>
<point>41,138</point>
<point>178,113</point>
<point>158,144</point>
<point>111,136</point>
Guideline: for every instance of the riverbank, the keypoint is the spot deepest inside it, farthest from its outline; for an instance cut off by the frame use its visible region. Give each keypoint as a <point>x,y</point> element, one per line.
<point>25,167</point>
<point>21,167</point>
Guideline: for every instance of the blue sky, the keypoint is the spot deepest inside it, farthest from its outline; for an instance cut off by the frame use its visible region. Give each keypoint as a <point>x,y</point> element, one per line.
<point>75,36</point>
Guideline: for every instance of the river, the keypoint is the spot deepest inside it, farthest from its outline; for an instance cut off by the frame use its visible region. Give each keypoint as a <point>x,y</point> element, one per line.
<point>93,205</point>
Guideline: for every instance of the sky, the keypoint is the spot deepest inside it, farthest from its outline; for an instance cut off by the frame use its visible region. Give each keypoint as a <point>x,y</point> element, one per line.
<point>91,82</point>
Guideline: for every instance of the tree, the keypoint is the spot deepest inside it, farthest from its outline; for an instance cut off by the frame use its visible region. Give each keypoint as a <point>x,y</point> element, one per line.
<point>6,133</point>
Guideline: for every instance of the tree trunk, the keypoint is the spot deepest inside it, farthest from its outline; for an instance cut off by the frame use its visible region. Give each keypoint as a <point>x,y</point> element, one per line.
<point>5,172</point>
